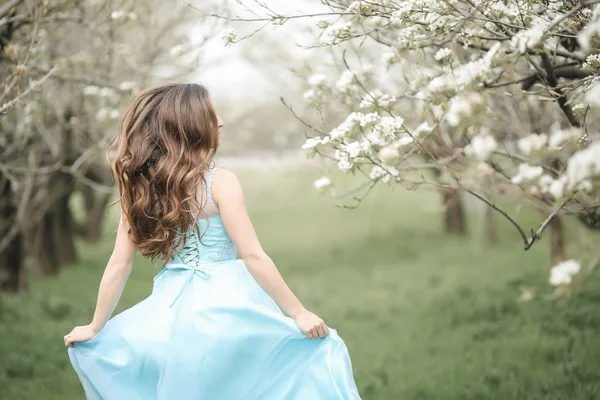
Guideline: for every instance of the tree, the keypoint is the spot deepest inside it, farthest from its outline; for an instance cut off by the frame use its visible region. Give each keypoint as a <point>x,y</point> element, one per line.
<point>458,88</point>
<point>66,70</point>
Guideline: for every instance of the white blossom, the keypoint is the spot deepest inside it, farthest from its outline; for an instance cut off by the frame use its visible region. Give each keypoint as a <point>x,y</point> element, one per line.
<point>322,183</point>
<point>117,14</point>
<point>311,143</point>
<point>114,114</point>
<point>336,33</point>
<point>310,95</point>
<point>91,90</point>
<point>127,85</point>
<point>388,153</point>
<point>352,149</point>
<point>560,137</point>
<point>360,7</point>
<point>529,38</point>
<point>532,143</point>
<point>106,92</point>
<point>377,98</point>
<point>481,147</point>
<point>563,273</point>
<point>443,53</point>
<point>177,50</point>
<point>584,165</point>
<point>465,75</point>
<point>527,174</point>
<point>379,173</point>
<point>462,106</point>
<point>423,128</point>
<point>317,80</point>
<point>370,118</point>
<point>102,113</point>
<point>344,164</point>
<point>346,79</point>
<point>557,187</point>
<point>389,127</point>
<point>545,182</point>
<point>591,29</point>
<point>592,61</point>
<point>592,96</point>
<point>579,109</point>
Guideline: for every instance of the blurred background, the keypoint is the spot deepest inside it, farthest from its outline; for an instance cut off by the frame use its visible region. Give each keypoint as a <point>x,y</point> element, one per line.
<point>430,288</point>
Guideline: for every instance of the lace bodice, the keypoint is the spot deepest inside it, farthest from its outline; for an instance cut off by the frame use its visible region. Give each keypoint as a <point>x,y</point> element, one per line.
<point>214,244</point>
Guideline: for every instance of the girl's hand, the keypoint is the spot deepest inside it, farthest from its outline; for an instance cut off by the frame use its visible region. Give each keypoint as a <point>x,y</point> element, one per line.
<point>312,326</point>
<point>79,334</point>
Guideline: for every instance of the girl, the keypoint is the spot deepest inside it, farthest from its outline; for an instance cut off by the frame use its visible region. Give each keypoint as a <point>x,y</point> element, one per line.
<point>212,329</point>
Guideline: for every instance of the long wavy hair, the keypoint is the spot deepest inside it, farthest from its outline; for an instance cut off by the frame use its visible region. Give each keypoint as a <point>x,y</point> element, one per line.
<point>167,139</point>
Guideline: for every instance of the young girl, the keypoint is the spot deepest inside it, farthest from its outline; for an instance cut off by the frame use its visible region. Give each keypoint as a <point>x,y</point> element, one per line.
<point>212,328</point>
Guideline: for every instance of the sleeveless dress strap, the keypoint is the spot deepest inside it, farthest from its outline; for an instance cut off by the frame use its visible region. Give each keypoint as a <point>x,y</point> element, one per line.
<point>209,180</point>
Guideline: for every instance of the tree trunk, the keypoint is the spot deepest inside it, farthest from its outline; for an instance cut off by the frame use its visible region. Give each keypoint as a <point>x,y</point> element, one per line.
<point>489,226</point>
<point>53,243</point>
<point>11,257</point>
<point>64,231</point>
<point>454,214</point>
<point>95,204</point>
<point>557,242</point>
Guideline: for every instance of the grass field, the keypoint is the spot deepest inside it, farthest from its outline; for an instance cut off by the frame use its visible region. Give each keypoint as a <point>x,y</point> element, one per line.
<point>425,316</point>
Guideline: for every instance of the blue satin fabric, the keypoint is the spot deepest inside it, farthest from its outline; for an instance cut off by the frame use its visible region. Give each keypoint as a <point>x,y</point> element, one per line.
<point>208,331</point>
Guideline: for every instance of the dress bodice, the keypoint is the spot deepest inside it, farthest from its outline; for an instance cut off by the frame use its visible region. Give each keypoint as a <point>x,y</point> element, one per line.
<point>214,244</point>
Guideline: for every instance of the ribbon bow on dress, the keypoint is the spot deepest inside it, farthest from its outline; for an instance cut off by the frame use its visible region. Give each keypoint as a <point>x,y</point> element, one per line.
<point>199,269</point>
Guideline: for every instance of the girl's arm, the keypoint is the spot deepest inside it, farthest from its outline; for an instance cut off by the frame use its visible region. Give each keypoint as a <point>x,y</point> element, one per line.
<point>111,287</point>
<point>229,197</point>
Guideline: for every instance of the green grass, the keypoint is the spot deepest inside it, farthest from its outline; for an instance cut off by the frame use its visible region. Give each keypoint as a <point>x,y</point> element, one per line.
<point>425,315</point>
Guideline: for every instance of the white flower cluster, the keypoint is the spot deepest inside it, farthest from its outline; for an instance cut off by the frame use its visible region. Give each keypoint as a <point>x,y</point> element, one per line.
<point>584,164</point>
<point>591,29</point>
<point>463,106</point>
<point>527,174</point>
<point>481,147</point>
<point>443,54</point>
<point>422,11</point>
<point>468,74</point>
<point>317,83</point>
<point>322,183</point>
<point>127,85</point>
<point>592,61</point>
<point>177,50</point>
<point>563,273</point>
<point>337,33</point>
<point>97,91</point>
<point>532,143</point>
<point>366,136</point>
<point>529,38</point>
<point>592,96</point>
<point>561,137</point>
<point>360,7</point>
<point>119,14</point>
<point>581,169</point>
<point>383,174</point>
<point>105,113</point>
<point>579,109</point>
<point>377,99</point>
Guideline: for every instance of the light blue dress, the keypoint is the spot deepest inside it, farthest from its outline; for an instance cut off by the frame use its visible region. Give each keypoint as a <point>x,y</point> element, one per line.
<point>208,331</point>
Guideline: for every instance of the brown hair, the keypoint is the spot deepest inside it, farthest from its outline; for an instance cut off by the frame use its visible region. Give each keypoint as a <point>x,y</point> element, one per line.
<point>166,142</point>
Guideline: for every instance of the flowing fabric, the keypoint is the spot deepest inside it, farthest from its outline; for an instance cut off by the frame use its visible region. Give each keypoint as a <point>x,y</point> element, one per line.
<point>208,331</point>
